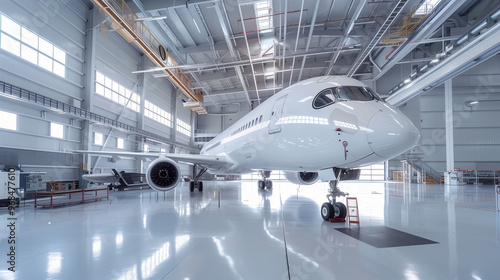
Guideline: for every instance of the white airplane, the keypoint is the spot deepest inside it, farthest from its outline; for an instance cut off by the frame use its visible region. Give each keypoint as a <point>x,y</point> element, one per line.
<point>319,128</point>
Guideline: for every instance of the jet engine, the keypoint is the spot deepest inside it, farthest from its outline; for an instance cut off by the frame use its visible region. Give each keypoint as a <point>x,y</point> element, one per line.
<point>302,178</point>
<point>163,174</point>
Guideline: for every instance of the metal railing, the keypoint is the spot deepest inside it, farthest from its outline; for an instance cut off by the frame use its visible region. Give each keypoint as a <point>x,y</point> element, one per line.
<point>415,160</point>
<point>20,94</point>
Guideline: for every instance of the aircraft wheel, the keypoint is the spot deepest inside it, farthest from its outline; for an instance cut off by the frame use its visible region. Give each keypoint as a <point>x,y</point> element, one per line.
<point>261,184</point>
<point>191,186</point>
<point>327,211</point>
<point>340,210</point>
<point>200,186</point>
<point>269,185</point>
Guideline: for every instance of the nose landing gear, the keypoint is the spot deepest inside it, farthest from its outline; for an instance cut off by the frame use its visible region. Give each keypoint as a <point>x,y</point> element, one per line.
<point>332,208</point>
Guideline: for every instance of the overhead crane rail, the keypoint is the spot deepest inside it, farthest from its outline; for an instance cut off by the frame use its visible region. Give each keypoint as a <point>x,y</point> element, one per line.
<point>125,23</point>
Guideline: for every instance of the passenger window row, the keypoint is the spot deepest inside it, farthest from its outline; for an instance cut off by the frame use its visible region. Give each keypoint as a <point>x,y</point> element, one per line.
<point>247,125</point>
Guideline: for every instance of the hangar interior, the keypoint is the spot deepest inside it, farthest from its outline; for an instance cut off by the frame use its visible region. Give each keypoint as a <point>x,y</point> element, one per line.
<point>72,77</point>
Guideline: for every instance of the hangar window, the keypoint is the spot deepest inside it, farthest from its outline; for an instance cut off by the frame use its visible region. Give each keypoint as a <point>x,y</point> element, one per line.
<point>9,120</point>
<point>183,128</point>
<point>120,143</point>
<point>323,99</point>
<point>114,91</point>
<point>157,114</point>
<point>56,130</point>
<point>23,43</point>
<point>98,139</point>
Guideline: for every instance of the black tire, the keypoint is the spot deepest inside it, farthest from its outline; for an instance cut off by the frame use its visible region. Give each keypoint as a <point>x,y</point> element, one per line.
<point>269,185</point>
<point>200,186</point>
<point>261,184</point>
<point>340,210</point>
<point>327,211</point>
<point>191,186</point>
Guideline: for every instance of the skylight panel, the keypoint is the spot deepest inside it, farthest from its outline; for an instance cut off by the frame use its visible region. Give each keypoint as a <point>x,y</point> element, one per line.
<point>263,11</point>
<point>427,7</point>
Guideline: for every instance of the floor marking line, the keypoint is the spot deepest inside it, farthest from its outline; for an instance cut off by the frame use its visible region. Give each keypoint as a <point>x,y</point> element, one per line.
<point>284,237</point>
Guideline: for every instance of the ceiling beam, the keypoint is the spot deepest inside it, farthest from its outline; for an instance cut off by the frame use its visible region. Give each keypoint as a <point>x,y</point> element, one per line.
<point>393,15</point>
<point>424,32</point>
<point>308,43</point>
<point>483,47</point>
<point>227,37</point>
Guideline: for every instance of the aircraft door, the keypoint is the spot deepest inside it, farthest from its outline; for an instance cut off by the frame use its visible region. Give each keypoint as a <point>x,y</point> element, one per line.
<point>274,125</point>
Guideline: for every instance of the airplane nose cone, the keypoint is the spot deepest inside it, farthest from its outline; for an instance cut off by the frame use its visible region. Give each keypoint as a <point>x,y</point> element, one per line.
<point>391,133</point>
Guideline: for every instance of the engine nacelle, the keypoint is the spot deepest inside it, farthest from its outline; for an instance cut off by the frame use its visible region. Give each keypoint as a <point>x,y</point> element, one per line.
<point>163,174</point>
<point>302,178</point>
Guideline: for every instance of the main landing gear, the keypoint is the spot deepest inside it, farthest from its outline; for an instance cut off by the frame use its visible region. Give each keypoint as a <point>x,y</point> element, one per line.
<point>195,183</point>
<point>265,183</point>
<point>334,209</point>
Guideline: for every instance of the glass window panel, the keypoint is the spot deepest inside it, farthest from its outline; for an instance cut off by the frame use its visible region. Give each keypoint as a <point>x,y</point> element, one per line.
<point>29,38</point>
<point>98,139</point>
<point>46,47</point>
<point>8,120</point>
<point>108,82</point>
<point>99,89</point>
<point>107,93</point>
<point>56,130</point>
<point>11,28</point>
<point>45,62</point>
<point>115,86</point>
<point>120,143</point>
<point>11,45</point>
<point>114,97</point>
<point>99,77</point>
<point>59,69</point>
<point>323,99</point>
<point>59,55</point>
<point>29,54</point>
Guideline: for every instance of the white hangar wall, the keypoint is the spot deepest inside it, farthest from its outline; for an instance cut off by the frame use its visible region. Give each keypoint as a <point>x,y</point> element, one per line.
<point>72,27</point>
<point>31,146</point>
<point>476,126</point>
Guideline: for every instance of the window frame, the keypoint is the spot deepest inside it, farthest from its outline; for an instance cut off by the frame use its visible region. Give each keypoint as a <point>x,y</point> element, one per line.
<point>31,44</point>
<point>332,91</point>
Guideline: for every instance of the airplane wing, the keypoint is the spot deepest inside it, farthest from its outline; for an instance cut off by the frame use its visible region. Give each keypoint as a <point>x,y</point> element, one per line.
<point>204,160</point>
<point>100,178</point>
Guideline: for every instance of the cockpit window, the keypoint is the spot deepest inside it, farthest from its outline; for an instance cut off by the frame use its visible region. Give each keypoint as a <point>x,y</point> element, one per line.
<point>323,99</point>
<point>374,94</point>
<point>329,96</point>
<point>355,93</point>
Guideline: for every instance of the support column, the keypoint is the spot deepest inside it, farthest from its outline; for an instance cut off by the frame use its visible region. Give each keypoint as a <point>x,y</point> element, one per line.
<point>141,91</point>
<point>89,85</point>
<point>448,115</point>
<point>173,135</point>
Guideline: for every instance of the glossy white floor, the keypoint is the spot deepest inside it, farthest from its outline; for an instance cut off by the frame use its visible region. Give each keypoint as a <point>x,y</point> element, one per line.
<point>255,234</point>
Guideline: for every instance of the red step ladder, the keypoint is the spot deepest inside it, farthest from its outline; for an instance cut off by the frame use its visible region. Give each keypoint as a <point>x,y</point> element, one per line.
<point>352,210</point>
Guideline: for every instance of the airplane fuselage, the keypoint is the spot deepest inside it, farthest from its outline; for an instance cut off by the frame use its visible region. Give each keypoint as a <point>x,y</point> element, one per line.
<point>288,132</point>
